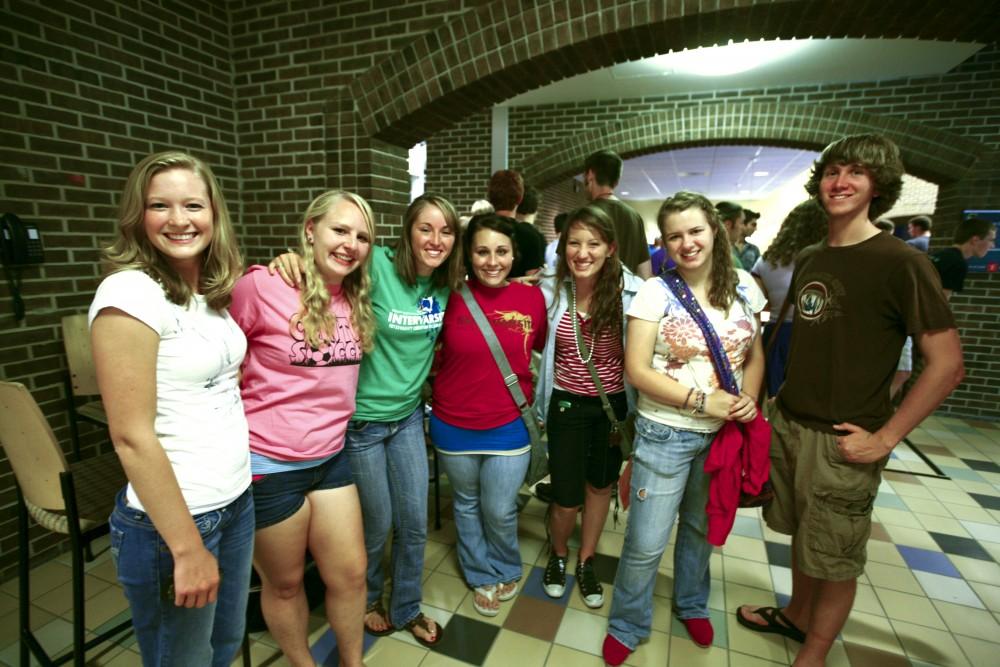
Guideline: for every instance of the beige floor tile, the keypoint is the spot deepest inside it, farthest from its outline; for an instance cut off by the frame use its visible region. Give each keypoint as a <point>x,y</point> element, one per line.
<point>43,579</point>
<point>871,630</point>
<point>747,572</point>
<point>962,620</point>
<point>744,660</point>
<point>978,651</point>
<point>531,548</point>
<point>129,658</point>
<point>772,536</point>
<point>988,593</point>
<point>388,652</point>
<point>937,647</point>
<point>433,659</point>
<point>512,649</point>
<point>970,486</point>
<point>924,506</point>
<point>748,548</point>
<point>970,513</point>
<point>582,631</point>
<point>444,591</point>
<point>653,651</point>
<point>104,570</point>
<point>717,595</point>
<point>104,606</point>
<point>611,543</point>
<point>894,578</point>
<point>942,524</point>
<point>974,569</point>
<point>910,608</point>
<point>954,497</point>
<point>449,564</point>
<point>434,553</point>
<point>563,656</point>
<point>769,647</point>
<point>59,600</point>
<point>912,537</point>
<point>895,518</point>
<point>8,603</point>
<point>683,651</point>
<point>867,601</point>
<point>884,552</point>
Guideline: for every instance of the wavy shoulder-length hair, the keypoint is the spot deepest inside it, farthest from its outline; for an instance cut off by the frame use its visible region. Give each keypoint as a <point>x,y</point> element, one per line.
<point>318,322</point>
<point>449,274</point>
<point>222,264</point>
<point>805,225</point>
<point>606,302</point>
<point>876,153</point>
<point>723,280</point>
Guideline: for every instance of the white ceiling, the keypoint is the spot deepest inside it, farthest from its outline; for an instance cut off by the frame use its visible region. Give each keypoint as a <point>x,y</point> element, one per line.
<point>727,172</point>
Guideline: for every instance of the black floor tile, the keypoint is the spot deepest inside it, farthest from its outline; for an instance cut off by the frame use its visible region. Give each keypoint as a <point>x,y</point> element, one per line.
<point>605,567</point>
<point>982,466</point>
<point>778,554</point>
<point>989,502</point>
<point>467,639</point>
<point>961,546</point>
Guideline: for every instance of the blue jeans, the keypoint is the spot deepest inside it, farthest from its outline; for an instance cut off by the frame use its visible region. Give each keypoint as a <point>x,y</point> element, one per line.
<point>172,635</point>
<point>389,463</point>
<point>485,506</point>
<point>668,474</point>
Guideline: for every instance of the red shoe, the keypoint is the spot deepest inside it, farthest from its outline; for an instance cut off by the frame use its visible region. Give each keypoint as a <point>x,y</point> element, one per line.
<point>614,651</point>
<point>700,630</point>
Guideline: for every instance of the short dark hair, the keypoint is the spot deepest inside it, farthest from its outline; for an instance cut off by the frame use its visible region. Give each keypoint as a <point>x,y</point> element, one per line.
<point>529,203</point>
<point>750,216</point>
<point>921,221</point>
<point>505,190</point>
<point>876,153</point>
<point>728,210</point>
<point>559,222</point>
<point>972,227</point>
<point>607,167</point>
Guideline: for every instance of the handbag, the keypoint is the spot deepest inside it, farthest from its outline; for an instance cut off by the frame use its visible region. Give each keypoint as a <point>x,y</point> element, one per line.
<point>621,436</point>
<point>680,289</point>
<point>538,466</point>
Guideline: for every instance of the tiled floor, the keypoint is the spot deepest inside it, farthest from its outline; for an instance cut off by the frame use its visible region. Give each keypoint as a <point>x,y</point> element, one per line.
<point>930,596</point>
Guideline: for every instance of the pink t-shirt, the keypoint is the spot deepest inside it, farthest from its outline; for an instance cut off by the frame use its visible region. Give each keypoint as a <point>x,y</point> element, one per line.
<point>298,400</point>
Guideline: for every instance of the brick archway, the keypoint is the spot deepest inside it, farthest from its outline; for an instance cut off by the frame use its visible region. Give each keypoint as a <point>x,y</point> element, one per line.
<point>932,154</point>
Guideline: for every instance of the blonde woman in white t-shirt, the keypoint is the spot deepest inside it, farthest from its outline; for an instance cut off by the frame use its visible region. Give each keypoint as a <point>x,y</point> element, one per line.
<point>168,355</point>
<point>681,407</point>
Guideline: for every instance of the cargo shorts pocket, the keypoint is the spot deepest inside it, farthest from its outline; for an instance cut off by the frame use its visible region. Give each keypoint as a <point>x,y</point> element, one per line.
<point>840,522</point>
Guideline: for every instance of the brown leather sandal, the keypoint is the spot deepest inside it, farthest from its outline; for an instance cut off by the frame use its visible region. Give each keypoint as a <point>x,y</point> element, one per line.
<point>377,608</point>
<point>423,623</point>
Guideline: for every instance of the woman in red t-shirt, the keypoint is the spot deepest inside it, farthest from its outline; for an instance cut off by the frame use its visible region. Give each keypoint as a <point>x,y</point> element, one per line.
<point>475,425</point>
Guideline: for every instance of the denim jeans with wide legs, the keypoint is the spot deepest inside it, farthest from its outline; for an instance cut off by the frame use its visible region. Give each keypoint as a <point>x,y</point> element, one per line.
<point>389,463</point>
<point>485,505</point>
<point>668,475</point>
<point>172,635</point>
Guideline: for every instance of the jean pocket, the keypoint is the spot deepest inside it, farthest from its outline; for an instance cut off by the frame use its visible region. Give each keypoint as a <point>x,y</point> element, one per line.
<point>840,522</point>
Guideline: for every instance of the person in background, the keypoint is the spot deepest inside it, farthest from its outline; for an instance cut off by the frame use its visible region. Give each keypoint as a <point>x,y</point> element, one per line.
<point>732,218</point>
<point>483,442</point>
<point>748,252</point>
<point>167,356</point>
<point>919,229</point>
<point>973,238</point>
<point>551,250</point>
<point>592,287</point>
<point>804,226</point>
<point>601,173</point>
<point>385,443</point>
<point>681,407</point>
<point>506,192</point>
<point>528,208</point>
<point>299,382</point>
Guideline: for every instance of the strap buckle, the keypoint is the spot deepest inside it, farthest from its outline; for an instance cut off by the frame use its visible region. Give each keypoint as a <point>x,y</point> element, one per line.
<point>509,380</point>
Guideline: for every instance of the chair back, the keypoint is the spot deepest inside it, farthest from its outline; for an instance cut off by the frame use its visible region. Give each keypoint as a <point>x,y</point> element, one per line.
<point>79,355</point>
<point>31,447</point>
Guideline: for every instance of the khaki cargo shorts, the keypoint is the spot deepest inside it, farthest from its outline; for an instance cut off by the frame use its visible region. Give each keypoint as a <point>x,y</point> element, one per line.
<point>821,500</point>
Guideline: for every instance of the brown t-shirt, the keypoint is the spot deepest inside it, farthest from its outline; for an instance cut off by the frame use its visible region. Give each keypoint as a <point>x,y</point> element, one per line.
<point>854,308</point>
<point>630,232</point>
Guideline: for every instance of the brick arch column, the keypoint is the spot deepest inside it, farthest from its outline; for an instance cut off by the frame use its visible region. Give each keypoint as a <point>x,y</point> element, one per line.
<point>935,155</point>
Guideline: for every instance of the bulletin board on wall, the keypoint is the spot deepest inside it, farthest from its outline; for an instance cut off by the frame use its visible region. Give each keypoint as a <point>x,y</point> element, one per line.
<point>991,262</point>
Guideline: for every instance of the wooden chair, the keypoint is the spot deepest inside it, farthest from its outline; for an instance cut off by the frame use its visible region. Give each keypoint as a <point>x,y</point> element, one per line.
<point>81,382</point>
<point>71,498</point>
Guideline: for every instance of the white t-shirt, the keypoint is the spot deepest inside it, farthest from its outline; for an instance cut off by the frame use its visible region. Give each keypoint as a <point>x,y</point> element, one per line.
<point>777,280</point>
<point>199,414</point>
<point>680,351</point>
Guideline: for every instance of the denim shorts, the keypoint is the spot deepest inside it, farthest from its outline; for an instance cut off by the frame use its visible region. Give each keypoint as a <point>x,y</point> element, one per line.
<point>579,447</point>
<point>277,496</point>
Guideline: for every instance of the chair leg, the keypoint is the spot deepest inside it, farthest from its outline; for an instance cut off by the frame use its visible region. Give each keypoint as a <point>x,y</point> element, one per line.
<point>23,583</point>
<point>76,547</point>
<point>246,649</point>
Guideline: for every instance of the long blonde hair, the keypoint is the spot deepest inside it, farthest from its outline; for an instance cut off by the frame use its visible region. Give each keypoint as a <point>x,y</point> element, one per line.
<point>318,322</point>
<point>222,264</point>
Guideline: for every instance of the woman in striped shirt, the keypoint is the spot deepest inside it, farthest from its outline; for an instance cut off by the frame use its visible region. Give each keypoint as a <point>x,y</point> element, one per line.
<point>590,291</point>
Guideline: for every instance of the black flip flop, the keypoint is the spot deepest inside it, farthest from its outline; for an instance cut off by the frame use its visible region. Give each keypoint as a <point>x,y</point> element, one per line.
<point>772,615</point>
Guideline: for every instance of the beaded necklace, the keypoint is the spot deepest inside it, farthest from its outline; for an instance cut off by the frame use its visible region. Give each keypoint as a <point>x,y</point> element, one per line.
<point>577,336</point>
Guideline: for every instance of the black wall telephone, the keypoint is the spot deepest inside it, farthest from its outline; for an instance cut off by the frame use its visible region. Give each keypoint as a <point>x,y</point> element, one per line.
<point>20,244</point>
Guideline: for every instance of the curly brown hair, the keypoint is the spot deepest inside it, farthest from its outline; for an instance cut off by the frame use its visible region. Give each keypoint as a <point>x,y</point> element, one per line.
<point>805,225</point>
<point>722,290</point>
<point>606,302</point>
<point>876,153</point>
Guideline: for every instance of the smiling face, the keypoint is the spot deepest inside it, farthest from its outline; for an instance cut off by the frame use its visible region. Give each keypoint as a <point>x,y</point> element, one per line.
<point>586,251</point>
<point>689,239</point>
<point>179,221</point>
<point>846,191</point>
<point>492,256</point>
<point>432,240</point>
<point>340,241</point>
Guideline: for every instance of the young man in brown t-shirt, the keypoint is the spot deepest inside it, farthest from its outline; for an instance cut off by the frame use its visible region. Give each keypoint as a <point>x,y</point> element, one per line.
<point>858,295</point>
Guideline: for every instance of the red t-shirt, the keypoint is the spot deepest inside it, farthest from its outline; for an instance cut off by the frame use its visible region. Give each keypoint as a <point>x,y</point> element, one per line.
<point>469,391</point>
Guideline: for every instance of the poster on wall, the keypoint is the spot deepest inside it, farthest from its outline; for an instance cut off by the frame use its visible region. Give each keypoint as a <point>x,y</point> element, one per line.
<point>991,262</point>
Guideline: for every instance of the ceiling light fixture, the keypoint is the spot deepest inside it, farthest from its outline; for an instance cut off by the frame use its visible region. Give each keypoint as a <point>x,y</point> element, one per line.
<point>728,59</point>
<point>762,173</point>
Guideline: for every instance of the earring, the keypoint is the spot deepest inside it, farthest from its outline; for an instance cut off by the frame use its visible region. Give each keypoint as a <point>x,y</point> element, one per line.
<point>309,240</point>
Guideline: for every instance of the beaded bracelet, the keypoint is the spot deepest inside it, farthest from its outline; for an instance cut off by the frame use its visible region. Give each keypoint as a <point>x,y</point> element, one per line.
<point>699,404</point>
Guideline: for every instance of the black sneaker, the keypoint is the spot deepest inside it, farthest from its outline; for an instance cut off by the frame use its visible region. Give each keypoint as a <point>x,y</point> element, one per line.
<point>554,579</point>
<point>543,491</point>
<point>590,587</point>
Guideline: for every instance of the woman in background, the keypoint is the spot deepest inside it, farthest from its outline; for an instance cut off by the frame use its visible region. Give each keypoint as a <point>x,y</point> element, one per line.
<point>168,356</point>
<point>299,383</point>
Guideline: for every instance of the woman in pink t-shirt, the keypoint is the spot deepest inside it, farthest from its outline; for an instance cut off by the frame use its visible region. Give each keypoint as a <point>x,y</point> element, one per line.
<point>298,384</point>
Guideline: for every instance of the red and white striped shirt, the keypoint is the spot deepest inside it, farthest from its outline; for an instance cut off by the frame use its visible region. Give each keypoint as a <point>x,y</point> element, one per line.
<point>570,370</point>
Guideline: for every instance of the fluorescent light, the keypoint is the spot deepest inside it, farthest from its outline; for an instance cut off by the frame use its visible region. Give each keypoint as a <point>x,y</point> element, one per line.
<point>625,192</point>
<point>728,59</point>
<point>762,173</point>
